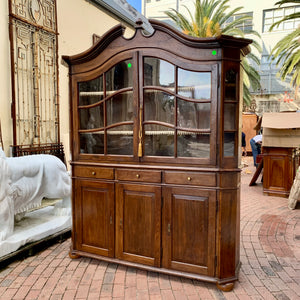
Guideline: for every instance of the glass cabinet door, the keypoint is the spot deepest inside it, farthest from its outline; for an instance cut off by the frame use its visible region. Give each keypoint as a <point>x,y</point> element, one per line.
<point>230,113</point>
<point>106,112</point>
<point>177,110</point>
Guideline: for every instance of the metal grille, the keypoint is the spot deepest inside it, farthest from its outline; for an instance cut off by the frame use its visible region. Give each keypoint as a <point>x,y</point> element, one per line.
<point>53,149</point>
<point>34,52</point>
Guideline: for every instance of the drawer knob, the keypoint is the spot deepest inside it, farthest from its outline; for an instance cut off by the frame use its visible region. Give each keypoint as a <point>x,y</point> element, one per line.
<point>93,173</point>
<point>137,175</point>
<point>189,178</point>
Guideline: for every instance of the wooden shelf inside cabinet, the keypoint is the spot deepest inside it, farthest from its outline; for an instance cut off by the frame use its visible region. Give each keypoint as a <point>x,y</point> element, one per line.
<point>148,168</point>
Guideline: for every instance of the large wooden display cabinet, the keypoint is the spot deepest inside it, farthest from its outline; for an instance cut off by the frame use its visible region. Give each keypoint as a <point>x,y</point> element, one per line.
<point>154,138</point>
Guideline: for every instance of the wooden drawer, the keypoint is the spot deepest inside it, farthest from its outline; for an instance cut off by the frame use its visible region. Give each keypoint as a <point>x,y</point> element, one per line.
<point>93,172</point>
<point>190,178</point>
<point>138,175</point>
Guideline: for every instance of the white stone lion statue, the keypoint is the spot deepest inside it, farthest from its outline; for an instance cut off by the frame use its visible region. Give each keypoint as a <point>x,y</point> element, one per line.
<point>6,201</point>
<point>25,181</point>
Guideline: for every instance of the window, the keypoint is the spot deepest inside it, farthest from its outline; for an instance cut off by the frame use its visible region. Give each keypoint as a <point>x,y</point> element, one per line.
<point>246,25</point>
<point>274,15</point>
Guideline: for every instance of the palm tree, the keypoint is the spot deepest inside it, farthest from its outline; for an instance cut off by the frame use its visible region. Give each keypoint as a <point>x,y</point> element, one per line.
<point>287,51</point>
<point>211,19</point>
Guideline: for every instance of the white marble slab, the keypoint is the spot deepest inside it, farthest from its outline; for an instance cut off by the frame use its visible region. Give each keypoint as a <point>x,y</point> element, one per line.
<point>35,226</point>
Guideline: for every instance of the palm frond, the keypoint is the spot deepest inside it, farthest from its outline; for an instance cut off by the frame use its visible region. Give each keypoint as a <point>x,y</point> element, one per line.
<point>286,18</point>
<point>281,2</point>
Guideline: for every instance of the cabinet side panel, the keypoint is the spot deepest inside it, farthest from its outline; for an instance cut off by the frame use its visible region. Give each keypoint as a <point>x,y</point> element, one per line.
<point>227,241</point>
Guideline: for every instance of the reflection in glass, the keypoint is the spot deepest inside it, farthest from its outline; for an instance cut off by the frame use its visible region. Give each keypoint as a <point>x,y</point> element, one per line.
<point>91,117</point>
<point>229,140</point>
<point>190,144</point>
<point>230,85</point>
<point>158,72</point>
<point>92,142</point>
<point>158,106</point>
<point>120,140</point>
<point>91,91</point>
<point>119,108</point>
<point>229,116</point>
<point>195,85</point>
<point>119,77</point>
<point>193,115</point>
<point>159,140</point>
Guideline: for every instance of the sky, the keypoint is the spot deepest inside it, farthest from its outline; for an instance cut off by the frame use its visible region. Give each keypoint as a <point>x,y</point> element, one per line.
<point>137,4</point>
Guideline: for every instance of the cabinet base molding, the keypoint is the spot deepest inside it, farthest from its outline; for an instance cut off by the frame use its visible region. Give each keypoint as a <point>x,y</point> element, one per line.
<point>225,285</point>
<point>276,193</point>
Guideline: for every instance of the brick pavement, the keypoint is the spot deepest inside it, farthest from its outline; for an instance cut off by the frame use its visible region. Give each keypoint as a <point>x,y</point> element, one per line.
<point>270,256</point>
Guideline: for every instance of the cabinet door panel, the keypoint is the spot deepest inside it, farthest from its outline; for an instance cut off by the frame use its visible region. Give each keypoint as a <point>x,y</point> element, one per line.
<point>138,218</point>
<point>95,217</point>
<point>189,230</point>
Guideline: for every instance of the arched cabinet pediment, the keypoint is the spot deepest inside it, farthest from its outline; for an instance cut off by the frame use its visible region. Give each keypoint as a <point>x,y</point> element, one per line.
<point>154,134</point>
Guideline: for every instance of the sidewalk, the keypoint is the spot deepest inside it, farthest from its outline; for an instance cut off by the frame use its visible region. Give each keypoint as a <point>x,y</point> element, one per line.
<point>270,256</point>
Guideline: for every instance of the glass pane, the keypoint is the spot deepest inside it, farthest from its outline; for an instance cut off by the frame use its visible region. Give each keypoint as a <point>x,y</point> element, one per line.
<point>193,115</point>
<point>158,72</point>
<point>159,140</point>
<point>120,140</point>
<point>91,117</point>
<point>119,108</point>
<point>92,142</point>
<point>229,116</point>
<point>119,77</point>
<point>269,14</point>
<point>230,85</point>
<point>289,11</point>
<point>266,28</point>
<point>196,85</point>
<point>288,25</point>
<point>91,91</point>
<point>158,106</point>
<point>278,13</point>
<point>190,144</point>
<point>229,139</point>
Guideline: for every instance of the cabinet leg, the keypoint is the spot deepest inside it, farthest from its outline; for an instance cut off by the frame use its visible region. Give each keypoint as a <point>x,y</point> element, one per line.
<point>73,256</point>
<point>225,287</point>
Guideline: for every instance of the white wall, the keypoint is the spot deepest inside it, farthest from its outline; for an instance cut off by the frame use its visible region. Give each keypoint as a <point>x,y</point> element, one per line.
<point>5,78</point>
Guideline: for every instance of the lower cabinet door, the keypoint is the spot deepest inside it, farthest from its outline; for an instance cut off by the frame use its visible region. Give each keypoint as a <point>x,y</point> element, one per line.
<point>188,230</point>
<point>138,223</point>
<point>94,217</point>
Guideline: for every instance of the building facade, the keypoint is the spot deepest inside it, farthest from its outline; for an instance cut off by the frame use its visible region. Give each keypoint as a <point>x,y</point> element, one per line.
<point>263,14</point>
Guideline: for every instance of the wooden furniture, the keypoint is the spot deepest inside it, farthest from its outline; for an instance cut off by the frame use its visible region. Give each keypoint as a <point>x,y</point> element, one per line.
<point>155,131</point>
<point>280,166</point>
<point>249,121</point>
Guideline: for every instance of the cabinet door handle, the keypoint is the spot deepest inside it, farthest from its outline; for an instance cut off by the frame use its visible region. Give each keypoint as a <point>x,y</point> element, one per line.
<point>169,228</point>
<point>189,178</point>
<point>137,175</point>
<point>110,220</point>
<point>93,173</point>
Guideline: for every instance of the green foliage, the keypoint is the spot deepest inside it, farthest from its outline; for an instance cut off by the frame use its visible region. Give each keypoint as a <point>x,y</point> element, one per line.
<point>286,52</point>
<point>211,19</point>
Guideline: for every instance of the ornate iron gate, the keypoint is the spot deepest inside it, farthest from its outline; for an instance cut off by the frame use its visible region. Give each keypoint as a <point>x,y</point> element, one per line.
<point>33,36</point>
